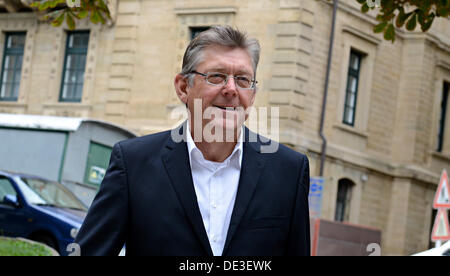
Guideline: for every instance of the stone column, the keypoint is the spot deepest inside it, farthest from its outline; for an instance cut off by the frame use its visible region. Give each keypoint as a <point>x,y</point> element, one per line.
<point>291,62</point>
<point>394,238</point>
<point>123,60</point>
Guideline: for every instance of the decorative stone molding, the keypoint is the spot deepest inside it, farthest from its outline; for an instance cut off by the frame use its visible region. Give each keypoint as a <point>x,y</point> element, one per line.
<point>352,39</point>
<point>365,161</point>
<point>113,6</point>
<point>360,34</point>
<point>442,74</point>
<point>205,11</point>
<point>444,65</point>
<point>67,109</point>
<point>17,23</point>
<point>57,63</point>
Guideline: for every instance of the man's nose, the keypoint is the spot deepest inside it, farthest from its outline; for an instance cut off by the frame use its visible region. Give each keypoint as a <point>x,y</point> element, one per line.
<point>230,88</point>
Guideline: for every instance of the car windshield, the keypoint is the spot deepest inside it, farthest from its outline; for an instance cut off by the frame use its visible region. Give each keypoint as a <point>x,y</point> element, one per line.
<point>48,193</point>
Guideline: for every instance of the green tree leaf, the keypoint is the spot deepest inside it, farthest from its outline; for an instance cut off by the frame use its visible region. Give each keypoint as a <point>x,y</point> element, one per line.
<point>53,3</point>
<point>443,11</point>
<point>399,21</point>
<point>393,11</point>
<point>82,14</point>
<point>95,18</point>
<point>427,24</point>
<point>412,22</point>
<point>44,5</point>
<point>403,17</point>
<point>35,4</point>
<point>59,20</point>
<point>389,33</point>
<point>70,22</point>
<point>380,27</point>
<point>365,7</point>
<point>420,17</point>
<point>102,20</point>
<point>101,4</point>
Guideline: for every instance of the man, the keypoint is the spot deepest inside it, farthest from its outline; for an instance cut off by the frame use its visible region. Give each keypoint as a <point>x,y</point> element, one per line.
<point>214,192</point>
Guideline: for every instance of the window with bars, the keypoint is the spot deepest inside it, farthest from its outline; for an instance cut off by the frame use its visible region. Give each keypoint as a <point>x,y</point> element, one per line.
<point>352,88</point>
<point>74,66</point>
<point>12,66</point>
<point>343,200</point>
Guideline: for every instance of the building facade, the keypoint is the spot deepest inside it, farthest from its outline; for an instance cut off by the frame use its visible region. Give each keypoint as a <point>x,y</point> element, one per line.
<point>386,122</point>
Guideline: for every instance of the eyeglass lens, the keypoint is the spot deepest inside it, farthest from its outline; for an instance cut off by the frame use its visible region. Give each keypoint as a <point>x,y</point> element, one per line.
<point>220,79</point>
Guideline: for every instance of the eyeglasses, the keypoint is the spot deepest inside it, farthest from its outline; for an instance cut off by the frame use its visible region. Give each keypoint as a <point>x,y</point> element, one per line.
<point>221,79</point>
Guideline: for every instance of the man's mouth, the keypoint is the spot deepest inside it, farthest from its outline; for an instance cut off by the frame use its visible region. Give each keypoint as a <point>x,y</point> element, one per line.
<point>229,108</point>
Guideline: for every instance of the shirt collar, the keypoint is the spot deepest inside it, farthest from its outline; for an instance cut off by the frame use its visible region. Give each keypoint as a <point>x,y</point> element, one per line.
<point>195,154</point>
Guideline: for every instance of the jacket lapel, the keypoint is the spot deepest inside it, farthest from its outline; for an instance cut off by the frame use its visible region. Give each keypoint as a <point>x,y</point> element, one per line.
<point>176,161</point>
<point>252,166</point>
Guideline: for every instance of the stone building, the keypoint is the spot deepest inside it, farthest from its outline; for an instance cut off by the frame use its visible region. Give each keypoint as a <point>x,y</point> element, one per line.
<point>388,135</point>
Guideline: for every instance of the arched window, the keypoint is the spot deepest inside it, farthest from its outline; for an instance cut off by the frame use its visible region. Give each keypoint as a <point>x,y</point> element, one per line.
<point>343,200</point>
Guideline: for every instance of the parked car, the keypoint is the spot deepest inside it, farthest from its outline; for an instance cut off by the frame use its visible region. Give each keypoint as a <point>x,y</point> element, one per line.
<point>39,209</point>
<point>443,250</point>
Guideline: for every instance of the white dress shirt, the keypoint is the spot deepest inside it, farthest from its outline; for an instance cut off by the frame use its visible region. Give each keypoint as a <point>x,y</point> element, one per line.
<point>216,186</point>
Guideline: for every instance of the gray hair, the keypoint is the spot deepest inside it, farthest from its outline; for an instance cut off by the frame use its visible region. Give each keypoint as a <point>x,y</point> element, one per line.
<point>223,36</point>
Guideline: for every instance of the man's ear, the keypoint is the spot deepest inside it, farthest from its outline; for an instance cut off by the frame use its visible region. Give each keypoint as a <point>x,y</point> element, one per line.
<point>181,87</point>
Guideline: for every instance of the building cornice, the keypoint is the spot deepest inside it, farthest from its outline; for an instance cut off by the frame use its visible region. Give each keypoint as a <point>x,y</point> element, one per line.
<point>367,37</point>
<point>369,162</point>
<point>214,10</point>
<point>443,64</point>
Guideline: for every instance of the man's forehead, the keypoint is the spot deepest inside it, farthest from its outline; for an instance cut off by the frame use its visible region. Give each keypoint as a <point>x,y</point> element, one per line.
<point>222,58</point>
<point>226,69</point>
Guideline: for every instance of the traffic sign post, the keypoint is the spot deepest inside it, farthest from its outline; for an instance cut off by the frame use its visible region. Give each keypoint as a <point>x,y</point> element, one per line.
<point>315,208</point>
<point>442,198</point>
<point>441,229</point>
<point>315,196</point>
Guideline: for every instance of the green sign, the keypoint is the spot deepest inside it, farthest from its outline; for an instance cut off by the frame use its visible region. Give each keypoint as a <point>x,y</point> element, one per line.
<point>97,163</point>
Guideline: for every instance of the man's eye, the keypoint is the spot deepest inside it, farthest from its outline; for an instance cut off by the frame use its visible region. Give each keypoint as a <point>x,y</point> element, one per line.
<point>243,82</point>
<point>242,79</point>
<point>217,78</point>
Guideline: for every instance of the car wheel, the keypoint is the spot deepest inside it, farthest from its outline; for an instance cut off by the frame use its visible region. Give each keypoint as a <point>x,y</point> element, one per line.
<point>49,241</point>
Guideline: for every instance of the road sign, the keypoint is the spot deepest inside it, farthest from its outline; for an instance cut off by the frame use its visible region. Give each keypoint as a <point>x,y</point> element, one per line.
<point>315,196</point>
<point>442,198</point>
<point>441,230</point>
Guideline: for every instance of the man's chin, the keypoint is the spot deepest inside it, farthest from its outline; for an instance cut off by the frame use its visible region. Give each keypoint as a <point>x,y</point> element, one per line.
<point>222,130</point>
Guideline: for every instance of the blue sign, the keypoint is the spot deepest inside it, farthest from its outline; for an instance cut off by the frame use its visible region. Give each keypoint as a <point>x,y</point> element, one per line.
<point>315,196</point>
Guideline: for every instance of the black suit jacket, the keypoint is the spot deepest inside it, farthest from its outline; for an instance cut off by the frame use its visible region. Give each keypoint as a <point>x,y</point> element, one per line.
<point>147,200</point>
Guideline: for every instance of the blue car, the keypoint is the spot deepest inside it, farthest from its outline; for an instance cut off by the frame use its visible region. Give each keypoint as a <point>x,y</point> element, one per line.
<point>38,209</point>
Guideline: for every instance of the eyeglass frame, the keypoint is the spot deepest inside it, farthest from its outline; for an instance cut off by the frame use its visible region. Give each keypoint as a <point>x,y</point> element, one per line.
<point>253,81</point>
